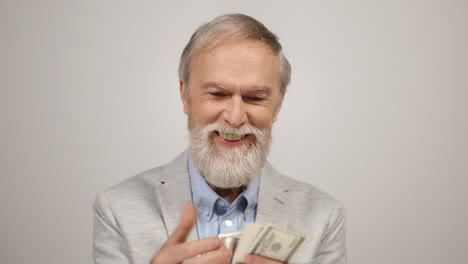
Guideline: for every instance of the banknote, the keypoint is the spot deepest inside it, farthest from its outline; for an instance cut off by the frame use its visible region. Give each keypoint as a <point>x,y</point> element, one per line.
<point>244,245</point>
<point>278,243</point>
<point>231,240</point>
<point>266,240</point>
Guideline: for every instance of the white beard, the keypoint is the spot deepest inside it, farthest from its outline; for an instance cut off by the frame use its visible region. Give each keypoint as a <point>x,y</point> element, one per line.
<point>228,167</point>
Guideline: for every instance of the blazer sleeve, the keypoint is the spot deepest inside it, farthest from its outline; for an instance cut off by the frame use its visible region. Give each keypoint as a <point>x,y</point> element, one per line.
<point>333,246</point>
<point>109,245</point>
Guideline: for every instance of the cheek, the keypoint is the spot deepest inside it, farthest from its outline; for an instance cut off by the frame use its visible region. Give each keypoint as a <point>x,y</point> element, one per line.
<point>261,118</point>
<point>205,112</point>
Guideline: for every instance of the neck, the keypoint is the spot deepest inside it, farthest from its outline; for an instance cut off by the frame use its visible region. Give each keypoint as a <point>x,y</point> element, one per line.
<point>228,194</point>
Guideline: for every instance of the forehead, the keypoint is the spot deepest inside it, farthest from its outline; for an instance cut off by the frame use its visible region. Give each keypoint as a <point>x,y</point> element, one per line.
<point>243,63</point>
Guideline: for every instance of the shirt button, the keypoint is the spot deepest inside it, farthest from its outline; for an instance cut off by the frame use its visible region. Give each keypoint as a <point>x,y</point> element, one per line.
<point>247,211</point>
<point>228,223</point>
<point>220,202</point>
<point>206,212</point>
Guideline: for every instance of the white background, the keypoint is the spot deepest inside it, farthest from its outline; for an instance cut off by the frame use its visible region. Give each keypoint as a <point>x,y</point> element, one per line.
<point>376,115</point>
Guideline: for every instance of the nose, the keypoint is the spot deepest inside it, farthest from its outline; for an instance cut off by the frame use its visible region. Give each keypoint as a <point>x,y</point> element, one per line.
<point>235,113</point>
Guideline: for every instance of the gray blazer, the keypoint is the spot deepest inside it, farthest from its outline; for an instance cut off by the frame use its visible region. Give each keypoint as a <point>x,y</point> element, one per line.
<point>135,217</point>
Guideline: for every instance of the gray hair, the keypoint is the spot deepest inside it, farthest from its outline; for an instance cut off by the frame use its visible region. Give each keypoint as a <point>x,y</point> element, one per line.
<point>231,28</point>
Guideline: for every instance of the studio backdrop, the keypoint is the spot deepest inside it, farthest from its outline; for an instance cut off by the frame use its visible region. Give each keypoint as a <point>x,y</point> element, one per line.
<point>375,115</point>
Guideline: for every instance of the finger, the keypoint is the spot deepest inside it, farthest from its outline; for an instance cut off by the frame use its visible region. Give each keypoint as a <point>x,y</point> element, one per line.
<point>189,216</point>
<point>180,252</point>
<point>221,256</point>
<point>257,259</point>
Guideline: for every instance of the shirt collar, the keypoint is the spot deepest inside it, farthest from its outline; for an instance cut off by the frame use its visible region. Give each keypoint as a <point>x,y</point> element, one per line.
<point>204,198</point>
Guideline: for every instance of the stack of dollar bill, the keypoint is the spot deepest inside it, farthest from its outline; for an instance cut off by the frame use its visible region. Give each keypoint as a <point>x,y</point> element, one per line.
<point>267,240</point>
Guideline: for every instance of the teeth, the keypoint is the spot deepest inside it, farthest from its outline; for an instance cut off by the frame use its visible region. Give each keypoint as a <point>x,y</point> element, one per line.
<point>231,137</point>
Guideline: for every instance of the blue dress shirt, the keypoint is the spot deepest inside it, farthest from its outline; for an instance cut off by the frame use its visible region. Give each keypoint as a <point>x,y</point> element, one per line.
<point>214,214</point>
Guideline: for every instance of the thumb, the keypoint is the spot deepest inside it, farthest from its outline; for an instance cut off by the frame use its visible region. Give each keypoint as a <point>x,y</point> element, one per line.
<point>189,216</point>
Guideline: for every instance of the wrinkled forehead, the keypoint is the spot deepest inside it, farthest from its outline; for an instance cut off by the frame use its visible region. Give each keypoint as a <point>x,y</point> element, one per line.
<point>248,62</point>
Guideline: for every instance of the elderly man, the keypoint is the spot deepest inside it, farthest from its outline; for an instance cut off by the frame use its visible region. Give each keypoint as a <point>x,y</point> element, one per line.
<point>233,78</point>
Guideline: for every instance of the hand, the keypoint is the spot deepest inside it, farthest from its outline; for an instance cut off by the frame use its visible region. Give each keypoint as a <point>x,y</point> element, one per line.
<point>175,250</point>
<point>256,259</point>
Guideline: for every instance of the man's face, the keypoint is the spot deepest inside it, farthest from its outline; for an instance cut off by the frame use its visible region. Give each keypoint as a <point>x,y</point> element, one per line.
<point>234,90</point>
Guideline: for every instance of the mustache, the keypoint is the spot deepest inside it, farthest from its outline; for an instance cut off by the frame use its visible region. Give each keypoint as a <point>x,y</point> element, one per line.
<point>222,128</point>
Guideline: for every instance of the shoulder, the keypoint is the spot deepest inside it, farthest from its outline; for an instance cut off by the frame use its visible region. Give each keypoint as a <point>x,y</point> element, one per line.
<point>143,184</point>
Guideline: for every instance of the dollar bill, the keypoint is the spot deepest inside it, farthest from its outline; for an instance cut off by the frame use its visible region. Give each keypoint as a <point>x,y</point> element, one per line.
<point>278,243</point>
<point>249,235</point>
<point>267,240</point>
<point>231,240</point>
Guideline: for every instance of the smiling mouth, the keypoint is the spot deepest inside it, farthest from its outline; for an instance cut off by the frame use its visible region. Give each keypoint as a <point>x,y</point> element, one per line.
<point>231,137</point>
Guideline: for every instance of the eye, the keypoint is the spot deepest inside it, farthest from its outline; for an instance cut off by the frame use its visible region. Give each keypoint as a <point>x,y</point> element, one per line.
<point>254,98</point>
<point>218,94</point>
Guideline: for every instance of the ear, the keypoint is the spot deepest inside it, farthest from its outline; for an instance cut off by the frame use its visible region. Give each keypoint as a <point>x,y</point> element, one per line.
<point>183,88</point>
<point>278,106</point>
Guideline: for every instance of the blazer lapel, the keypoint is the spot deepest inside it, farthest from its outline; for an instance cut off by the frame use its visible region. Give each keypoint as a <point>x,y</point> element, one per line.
<point>174,192</point>
<point>273,202</point>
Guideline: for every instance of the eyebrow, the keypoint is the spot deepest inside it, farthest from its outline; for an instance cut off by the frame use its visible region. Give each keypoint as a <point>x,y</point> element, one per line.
<point>212,84</point>
<point>261,89</point>
<point>217,85</point>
